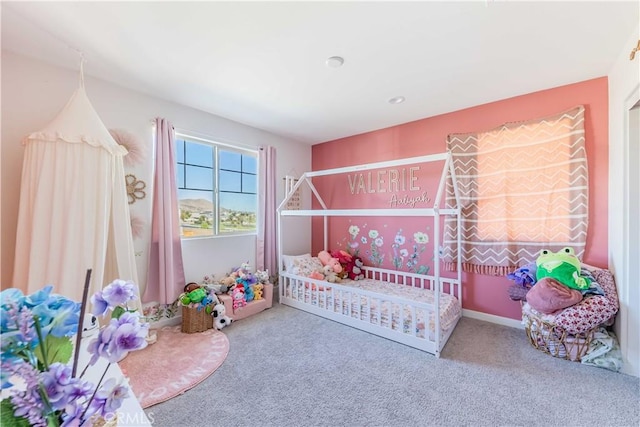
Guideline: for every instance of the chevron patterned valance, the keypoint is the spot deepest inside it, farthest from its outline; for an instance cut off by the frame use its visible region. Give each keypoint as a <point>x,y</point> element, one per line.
<point>523,188</point>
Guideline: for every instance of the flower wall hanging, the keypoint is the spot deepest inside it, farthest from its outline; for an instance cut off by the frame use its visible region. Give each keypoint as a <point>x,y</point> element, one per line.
<point>135,188</point>
<point>136,149</point>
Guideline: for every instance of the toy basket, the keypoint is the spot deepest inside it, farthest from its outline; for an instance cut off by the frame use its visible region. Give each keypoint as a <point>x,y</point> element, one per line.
<point>195,319</point>
<point>554,340</point>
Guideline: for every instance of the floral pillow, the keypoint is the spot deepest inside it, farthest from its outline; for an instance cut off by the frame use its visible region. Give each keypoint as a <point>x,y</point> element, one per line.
<point>306,266</point>
<point>288,260</point>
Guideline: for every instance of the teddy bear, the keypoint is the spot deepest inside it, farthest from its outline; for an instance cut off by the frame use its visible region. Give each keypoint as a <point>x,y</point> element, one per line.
<point>354,269</point>
<point>220,318</point>
<point>329,274</point>
<point>257,291</point>
<point>326,259</point>
<point>237,295</point>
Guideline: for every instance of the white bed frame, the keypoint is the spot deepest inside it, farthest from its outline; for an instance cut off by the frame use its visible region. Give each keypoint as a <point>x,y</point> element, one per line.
<point>289,283</point>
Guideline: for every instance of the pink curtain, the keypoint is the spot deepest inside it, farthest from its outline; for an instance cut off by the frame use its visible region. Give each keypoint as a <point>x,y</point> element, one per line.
<point>266,241</point>
<point>165,278</point>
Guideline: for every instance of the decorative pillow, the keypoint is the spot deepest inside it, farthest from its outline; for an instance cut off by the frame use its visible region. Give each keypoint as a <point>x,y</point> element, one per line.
<point>549,295</point>
<point>288,260</point>
<point>306,266</point>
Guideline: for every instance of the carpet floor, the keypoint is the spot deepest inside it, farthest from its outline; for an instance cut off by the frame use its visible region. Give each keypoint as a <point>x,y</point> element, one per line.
<point>174,364</point>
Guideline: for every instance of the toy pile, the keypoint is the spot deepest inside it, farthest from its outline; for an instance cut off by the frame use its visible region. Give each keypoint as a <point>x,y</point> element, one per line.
<point>243,285</point>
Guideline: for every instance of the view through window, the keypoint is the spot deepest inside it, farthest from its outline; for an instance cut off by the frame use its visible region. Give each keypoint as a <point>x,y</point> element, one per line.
<point>217,188</point>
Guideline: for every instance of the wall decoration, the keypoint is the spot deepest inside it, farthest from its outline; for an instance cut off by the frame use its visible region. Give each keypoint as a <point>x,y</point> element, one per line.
<point>135,147</point>
<point>137,226</point>
<point>135,188</point>
<point>295,202</point>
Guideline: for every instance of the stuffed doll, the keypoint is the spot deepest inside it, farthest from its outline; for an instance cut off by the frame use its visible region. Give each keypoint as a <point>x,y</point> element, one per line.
<point>329,274</point>
<point>237,295</point>
<point>354,269</point>
<point>248,293</point>
<point>563,266</point>
<point>326,259</point>
<point>220,318</point>
<point>257,291</point>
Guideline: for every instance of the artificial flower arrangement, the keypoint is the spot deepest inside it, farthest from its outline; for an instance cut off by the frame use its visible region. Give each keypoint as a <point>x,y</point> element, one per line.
<point>37,348</point>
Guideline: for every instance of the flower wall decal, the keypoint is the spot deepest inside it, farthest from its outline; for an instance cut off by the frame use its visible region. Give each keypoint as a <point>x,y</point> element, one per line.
<point>135,188</point>
<point>137,226</point>
<point>135,147</point>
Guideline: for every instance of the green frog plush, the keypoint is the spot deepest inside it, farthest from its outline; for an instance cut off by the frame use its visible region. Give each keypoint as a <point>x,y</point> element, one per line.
<point>563,266</point>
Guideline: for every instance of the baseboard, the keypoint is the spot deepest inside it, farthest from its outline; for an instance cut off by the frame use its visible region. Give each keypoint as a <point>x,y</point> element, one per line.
<point>505,321</point>
<point>174,321</point>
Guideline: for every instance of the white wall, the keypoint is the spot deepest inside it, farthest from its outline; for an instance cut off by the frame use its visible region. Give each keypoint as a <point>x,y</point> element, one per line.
<point>624,92</point>
<point>32,94</point>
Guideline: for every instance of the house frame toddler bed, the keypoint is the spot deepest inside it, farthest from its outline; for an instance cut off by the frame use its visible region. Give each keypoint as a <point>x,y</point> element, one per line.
<point>400,306</point>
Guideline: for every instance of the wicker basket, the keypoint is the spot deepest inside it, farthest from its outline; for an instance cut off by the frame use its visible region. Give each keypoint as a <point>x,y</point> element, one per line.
<point>194,320</point>
<point>554,340</point>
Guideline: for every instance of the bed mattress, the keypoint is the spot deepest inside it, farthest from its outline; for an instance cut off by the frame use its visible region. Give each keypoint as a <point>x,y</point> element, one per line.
<point>380,311</point>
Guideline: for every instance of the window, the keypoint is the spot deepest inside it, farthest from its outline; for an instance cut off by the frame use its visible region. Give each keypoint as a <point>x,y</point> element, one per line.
<point>217,188</point>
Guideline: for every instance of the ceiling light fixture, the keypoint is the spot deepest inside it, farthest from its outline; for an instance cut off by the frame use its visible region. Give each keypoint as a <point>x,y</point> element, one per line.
<point>335,61</point>
<point>396,100</point>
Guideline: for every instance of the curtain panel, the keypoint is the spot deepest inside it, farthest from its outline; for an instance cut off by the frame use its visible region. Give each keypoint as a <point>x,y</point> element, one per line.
<point>523,187</point>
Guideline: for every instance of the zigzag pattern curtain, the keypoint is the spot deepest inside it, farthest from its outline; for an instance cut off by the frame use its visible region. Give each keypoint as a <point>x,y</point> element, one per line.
<point>524,187</point>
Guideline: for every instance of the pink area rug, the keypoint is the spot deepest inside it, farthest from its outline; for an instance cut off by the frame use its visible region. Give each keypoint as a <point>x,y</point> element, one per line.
<point>174,364</point>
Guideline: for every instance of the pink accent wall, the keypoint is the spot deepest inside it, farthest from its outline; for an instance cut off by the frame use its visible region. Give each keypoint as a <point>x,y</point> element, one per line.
<point>487,294</point>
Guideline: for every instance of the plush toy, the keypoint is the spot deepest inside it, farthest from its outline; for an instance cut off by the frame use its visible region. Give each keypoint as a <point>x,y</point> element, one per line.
<point>237,295</point>
<point>329,274</point>
<point>248,293</point>
<point>220,318</point>
<point>354,269</point>
<point>257,291</point>
<point>194,296</point>
<point>563,266</point>
<point>326,259</point>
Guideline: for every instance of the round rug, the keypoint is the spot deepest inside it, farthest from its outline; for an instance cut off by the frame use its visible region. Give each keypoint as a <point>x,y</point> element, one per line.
<point>175,363</point>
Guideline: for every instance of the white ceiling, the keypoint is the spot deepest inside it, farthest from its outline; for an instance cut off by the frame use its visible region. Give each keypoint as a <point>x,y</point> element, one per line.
<point>263,63</point>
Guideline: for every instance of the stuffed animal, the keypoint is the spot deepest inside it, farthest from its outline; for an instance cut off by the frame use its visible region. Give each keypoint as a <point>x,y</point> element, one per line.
<point>257,291</point>
<point>194,296</point>
<point>237,295</point>
<point>248,293</point>
<point>326,259</point>
<point>354,269</point>
<point>563,266</point>
<point>329,274</point>
<point>220,318</point>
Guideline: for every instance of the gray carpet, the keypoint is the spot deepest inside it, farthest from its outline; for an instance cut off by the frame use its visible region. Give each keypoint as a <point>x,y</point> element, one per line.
<point>290,368</point>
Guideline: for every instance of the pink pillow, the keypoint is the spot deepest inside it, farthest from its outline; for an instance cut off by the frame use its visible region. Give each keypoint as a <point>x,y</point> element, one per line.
<point>548,296</point>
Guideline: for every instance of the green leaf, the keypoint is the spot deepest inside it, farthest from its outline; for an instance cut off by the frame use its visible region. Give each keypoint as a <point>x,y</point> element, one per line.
<point>7,419</point>
<point>58,349</point>
<point>117,312</point>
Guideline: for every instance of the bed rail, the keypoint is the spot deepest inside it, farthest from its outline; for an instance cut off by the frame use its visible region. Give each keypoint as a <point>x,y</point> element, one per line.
<point>400,319</point>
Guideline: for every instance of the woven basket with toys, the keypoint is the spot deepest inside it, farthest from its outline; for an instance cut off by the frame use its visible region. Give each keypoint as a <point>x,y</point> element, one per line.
<point>197,306</point>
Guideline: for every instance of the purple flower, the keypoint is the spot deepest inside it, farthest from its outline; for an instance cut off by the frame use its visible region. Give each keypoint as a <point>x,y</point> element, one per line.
<point>100,305</point>
<point>119,292</point>
<point>56,381</point>
<point>108,398</point>
<point>118,338</point>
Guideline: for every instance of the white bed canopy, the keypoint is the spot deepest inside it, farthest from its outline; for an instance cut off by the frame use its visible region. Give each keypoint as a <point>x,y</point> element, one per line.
<point>73,212</point>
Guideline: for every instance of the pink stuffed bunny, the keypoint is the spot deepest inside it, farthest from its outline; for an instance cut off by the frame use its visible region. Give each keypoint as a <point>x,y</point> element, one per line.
<point>326,259</point>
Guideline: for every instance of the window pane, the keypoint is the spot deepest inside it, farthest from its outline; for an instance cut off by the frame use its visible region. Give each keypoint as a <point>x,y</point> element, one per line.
<point>199,178</point>
<point>230,181</point>
<point>196,213</point>
<point>199,154</point>
<point>249,183</point>
<point>180,151</point>
<point>230,160</point>
<point>180,175</point>
<point>237,212</point>
<point>249,164</point>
